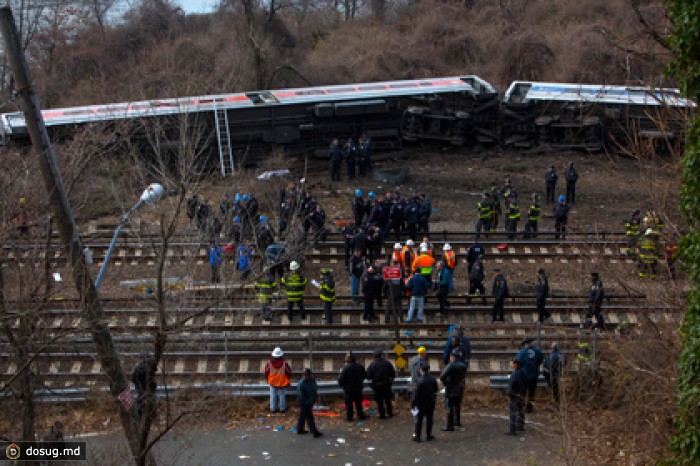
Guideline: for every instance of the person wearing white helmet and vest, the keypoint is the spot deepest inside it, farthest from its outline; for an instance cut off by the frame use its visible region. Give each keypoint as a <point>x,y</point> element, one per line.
<point>294,285</point>
<point>424,263</point>
<point>279,375</point>
<point>407,256</point>
<point>396,253</point>
<point>450,260</point>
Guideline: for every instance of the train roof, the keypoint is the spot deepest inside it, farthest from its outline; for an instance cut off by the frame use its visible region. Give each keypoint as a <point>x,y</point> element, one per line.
<point>161,107</point>
<point>524,91</point>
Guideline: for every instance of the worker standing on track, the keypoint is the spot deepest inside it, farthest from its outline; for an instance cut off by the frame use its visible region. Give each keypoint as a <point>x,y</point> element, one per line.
<point>513,217</point>
<point>561,217</point>
<point>596,294</point>
<point>500,293</point>
<point>533,217</point>
<point>496,209</point>
<point>648,256</point>
<point>485,210</point>
<point>450,260</point>
<point>265,286</point>
<point>327,294</point>
<point>424,263</point>
<point>550,181</point>
<point>571,176</point>
<point>279,376</point>
<point>632,231</point>
<point>294,285</point>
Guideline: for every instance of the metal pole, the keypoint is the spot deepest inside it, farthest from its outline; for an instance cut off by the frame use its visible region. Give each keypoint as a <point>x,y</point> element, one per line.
<point>92,310</point>
<point>108,256</point>
<point>311,349</point>
<point>226,356</point>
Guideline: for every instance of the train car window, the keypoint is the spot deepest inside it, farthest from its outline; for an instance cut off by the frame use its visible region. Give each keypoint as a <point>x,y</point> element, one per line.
<point>76,112</point>
<point>340,89</point>
<point>373,88</point>
<point>265,97</point>
<point>402,86</point>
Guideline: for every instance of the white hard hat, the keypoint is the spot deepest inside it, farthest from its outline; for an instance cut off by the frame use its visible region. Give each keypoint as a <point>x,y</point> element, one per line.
<point>410,242</point>
<point>277,353</point>
<point>397,245</point>
<point>294,265</point>
<point>649,231</point>
<point>447,247</point>
<point>423,247</point>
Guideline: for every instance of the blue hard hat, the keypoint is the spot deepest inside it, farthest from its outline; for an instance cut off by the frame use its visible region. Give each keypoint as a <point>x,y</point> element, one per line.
<point>237,219</point>
<point>371,194</point>
<point>246,197</point>
<point>561,198</point>
<point>358,192</point>
<point>262,219</point>
<point>237,198</point>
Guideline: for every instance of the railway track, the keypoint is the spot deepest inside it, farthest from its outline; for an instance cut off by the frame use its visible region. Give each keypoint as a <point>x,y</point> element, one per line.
<point>333,252</point>
<point>227,346</point>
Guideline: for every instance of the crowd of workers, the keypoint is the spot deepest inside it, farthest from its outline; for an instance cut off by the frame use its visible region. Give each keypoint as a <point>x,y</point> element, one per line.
<point>527,366</point>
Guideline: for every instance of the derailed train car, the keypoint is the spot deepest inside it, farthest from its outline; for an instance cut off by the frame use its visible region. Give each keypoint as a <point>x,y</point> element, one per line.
<point>460,110</point>
<point>452,109</point>
<point>591,117</point>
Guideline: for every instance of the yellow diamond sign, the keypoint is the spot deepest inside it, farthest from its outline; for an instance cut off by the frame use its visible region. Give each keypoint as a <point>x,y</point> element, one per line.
<point>399,349</point>
<point>400,362</point>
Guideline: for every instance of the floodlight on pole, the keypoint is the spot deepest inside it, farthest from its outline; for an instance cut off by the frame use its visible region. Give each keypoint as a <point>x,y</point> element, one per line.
<point>150,196</point>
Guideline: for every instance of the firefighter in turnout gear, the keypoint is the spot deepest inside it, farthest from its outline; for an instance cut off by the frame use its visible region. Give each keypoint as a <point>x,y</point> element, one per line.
<point>294,285</point>
<point>327,290</point>
<point>265,287</point>
<point>485,209</point>
<point>632,231</point>
<point>533,217</point>
<point>648,256</point>
<point>513,214</point>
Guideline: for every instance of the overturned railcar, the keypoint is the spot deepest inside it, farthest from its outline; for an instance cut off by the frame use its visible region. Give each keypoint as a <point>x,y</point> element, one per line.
<point>591,117</point>
<point>457,110</point>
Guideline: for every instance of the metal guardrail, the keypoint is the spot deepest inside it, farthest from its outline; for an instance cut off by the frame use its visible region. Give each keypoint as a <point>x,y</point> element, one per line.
<point>500,382</point>
<point>73,395</point>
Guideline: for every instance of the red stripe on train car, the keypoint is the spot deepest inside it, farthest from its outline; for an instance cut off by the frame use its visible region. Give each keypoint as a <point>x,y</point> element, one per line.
<point>236,98</point>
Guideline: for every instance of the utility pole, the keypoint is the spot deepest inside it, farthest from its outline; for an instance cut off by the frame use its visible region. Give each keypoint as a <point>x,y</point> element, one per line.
<point>92,309</point>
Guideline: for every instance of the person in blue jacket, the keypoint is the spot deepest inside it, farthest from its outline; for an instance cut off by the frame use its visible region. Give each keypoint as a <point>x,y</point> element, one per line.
<point>215,259</point>
<point>307,392</point>
<point>531,359</point>
<point>418,286</point>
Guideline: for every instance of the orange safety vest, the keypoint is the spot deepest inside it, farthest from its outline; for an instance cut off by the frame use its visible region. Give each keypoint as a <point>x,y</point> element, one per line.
<point>396,255</point>
<point>278,376</point>
<point>411,257</point>
<point>423,264</point>
<point>449,259</point>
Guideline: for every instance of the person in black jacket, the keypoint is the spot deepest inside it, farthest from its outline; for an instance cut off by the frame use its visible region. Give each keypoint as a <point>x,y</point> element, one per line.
<point>358,207</point>
<point>359,241</point>
<point>348,234</point>
<point>424,211</point>
<point>307,392</point>
<point>571,176</point>
<point>336,159</point>
<point>476,281</point>
<point>381,375</point>
<point>550,181</point>
<point>370,286</point>
<point>517,389</point>
<point>395,218</point>
<point>476,251</point>
<point>553,367</point>
<point>453,377</point>
<point>596,294</point>
<point>561,217</point>
<point>411,215</point>
<point>351,380</point>
<point>541,295</point>
<point>424,396</point>
<point>499,293</point>
<point>145,383</point>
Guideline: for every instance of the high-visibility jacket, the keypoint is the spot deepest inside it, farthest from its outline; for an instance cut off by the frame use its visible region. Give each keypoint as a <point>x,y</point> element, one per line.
<point>450,260</point>
<point>424,265</point>
<point>294,285</point>
<point>647,250</point>
<point>632,227</point>
<point>407,257</point>
<point>533,213</point>
<point>513,211</point>
<point>265,285</point>
<point>278,375</point>
<point>328,290</point>
<point>485,209</point>
<point>396,255</point>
